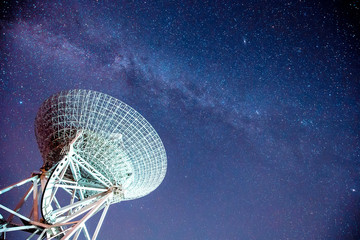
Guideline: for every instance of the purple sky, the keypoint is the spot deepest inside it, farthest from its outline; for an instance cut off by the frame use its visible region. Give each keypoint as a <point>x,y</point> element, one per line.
<point>257,104</point>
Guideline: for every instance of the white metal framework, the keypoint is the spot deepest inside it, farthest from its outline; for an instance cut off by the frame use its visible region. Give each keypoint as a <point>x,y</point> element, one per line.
<point>62,221</point>
<point>116,140</point>
<point>97,151</point>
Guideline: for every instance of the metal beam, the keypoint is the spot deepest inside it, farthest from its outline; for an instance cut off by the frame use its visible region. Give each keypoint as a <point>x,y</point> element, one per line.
<point>83,202</point>
<point>15,213</point>
<point>35,198</point>
<point>87,216</point>
<point>82,188</point>
<point>11,229</point>
<point>18,184</point>
<point>21,202</point>
<point>33,234</point>
<point>100,222</point>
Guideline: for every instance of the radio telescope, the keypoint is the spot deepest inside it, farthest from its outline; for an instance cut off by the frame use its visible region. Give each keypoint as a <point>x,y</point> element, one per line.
<point>97,151</point>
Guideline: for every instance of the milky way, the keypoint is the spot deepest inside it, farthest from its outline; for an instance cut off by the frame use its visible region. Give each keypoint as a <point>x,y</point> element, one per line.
<point>257,105</point>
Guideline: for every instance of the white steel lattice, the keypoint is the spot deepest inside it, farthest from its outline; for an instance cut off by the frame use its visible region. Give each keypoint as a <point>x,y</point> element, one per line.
<point>111,137</point>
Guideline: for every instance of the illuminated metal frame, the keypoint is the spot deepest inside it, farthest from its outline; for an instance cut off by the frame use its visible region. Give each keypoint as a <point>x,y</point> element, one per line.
<point>61,221</point>
<point>98,151</point>
<point>117,140</point>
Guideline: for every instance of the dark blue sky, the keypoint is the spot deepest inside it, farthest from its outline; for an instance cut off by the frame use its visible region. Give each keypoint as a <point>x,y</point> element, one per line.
<point>257,104</point>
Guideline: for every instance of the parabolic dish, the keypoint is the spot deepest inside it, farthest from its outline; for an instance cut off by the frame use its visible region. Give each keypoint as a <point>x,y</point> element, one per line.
<point>114,139</point>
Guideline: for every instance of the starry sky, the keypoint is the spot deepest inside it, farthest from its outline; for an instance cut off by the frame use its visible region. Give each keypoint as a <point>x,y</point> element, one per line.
<point>257,103</point>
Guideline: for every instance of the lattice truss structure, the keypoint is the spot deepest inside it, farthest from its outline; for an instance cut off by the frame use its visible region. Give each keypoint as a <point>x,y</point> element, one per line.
<point>97,151</point>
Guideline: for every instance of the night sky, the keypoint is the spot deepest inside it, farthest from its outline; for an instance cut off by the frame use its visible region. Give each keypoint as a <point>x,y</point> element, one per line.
<point>257,104</point>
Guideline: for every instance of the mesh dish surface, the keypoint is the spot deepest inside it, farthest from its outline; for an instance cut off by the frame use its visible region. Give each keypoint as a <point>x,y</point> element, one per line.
<point>114,138</point>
